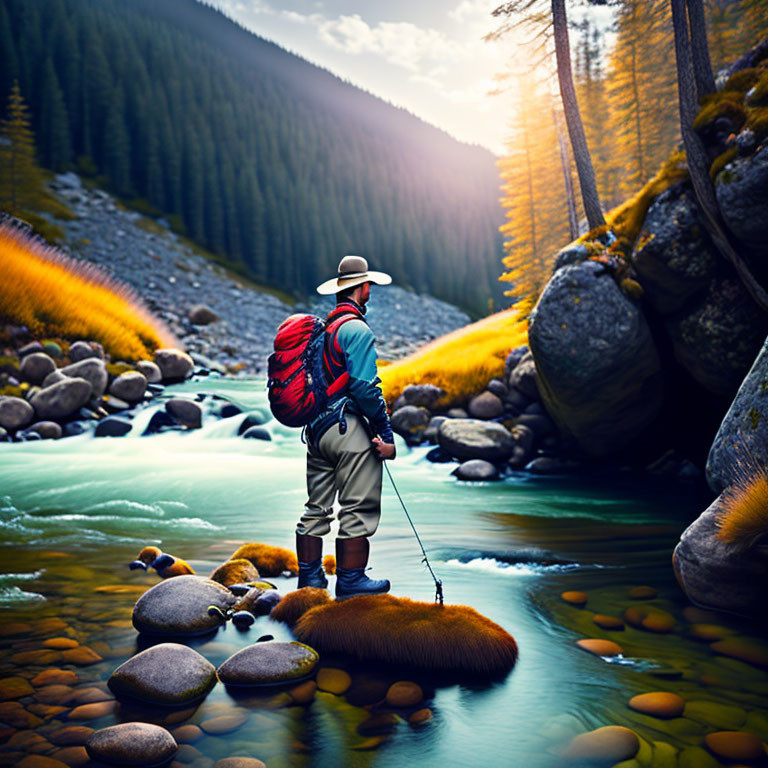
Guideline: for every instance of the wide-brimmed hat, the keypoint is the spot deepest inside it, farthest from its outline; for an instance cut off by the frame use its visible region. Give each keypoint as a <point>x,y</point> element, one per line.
<point>353,270</point>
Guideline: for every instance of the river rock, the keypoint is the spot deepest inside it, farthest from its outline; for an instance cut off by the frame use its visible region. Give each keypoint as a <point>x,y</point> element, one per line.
<point>422,395</point>
<point>150,371</point>
<point>486,405</point>
<point>523,377</point>
<point>476,470</point>
<point>257,433</point>
<point>173,364</point>
<point>168,674</point>
<point>718,335</point>
<point>179,606</point>
<point>457,413</point>
<point>35,367</point>
<point>608,745</point>
<point>735,745</point>
<point>597,367</point>
<point>410,421</point>
<point>742,195</point>
<point>716,574</point>
<point>129,386</point>
<point>61,399</point>
<point>513,358</point>
<point>28,349</point>
<point>15,412</point>
<point>658,704</point>
<point>268,663</point>
<point>201,314</point>
<point>54,377</point>
<point>742,440</point>
<point>132,744</point>
<point>539,423</point>
<point>430,433</point>
<point>48,430</point>
<point>113,426</point>
<point>475,439</point>
<point>674,258</point>
<point>82,350</point>
<point>91,369</point>
<point>523,450</point>
<point>187,412</point>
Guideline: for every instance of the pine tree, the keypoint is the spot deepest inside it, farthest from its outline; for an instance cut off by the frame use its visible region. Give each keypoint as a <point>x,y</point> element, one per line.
<point>56,147</point>
<point>21,182</point>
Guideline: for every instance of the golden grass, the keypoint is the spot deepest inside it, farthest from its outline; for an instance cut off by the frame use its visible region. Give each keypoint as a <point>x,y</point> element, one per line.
<point>397,630</point>
<point>462,362</point>
<point>269,560</point>
<point>57,296</point>
<point>295,604</point>
<point>743,519</point>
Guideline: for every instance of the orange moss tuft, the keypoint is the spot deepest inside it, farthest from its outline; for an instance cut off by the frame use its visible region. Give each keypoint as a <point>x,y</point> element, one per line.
<point>57,296</point>
<point>743,520</point>
<point>329,563</point>
<point>269,560</point>
<point>461,362</point>
<point>179,567</point>
<point>235,571</point>
<point>401,631</point>
<point>295,604</point>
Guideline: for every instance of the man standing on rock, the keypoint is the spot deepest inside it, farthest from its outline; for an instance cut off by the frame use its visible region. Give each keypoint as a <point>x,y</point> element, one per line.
<point>347,443</point>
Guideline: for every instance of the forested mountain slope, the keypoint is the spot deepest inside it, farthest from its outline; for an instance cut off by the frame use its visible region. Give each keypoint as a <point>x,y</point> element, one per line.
<point>255,153</point>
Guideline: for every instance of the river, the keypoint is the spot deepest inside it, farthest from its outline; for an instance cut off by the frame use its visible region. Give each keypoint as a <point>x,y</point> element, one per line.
<point>75,512</point>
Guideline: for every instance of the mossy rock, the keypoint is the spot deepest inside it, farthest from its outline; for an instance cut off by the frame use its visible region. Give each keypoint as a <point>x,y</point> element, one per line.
<point>757,96</point>
<point>115,369</point>
<point>743,80</point>
<point>722,104</point>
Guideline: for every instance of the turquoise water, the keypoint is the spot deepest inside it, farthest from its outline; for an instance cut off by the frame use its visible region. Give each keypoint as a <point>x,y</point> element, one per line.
<point>75,512</point>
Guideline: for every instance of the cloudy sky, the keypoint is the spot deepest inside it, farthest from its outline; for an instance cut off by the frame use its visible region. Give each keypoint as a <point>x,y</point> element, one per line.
<point>426,55</point>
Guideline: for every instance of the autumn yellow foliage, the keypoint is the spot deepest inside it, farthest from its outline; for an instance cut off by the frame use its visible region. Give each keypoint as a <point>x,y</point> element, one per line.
<point>462,362</point>
<point>743,520</point>
<point>56,296</point>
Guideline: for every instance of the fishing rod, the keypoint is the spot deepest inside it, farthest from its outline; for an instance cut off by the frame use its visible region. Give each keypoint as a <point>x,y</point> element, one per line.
<point>438,582</point>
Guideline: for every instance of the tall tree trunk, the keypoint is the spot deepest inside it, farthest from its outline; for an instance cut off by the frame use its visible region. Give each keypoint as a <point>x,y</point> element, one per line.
<point>696,156</point>
<point>584,167</point>
<point>573,223</point>
<point>702,66</point>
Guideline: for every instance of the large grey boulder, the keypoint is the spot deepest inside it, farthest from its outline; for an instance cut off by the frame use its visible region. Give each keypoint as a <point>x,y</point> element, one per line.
<point>410,421</point>
<point>150,371</point>
<point>179,606</point>
<point>15,412</point>
<point>186,412</point>
<point>269,663</point>
<point>597,367</point>
<point>82,350</point>
<point>61,399</point>
<point>93,370</point>
<point>168,674</point>
<point>717,574</point>
<point>673,256</point>
<point>742,440</point>
<point>422,395</point>
<point>132,744</point>
<point>717,337</point>
<point>476,470</point>
<point>486,405</point>
<point>475,439</point>
<point>742,195</point>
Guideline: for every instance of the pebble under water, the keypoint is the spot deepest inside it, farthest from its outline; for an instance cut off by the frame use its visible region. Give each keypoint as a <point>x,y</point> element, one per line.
<point>75,512</point>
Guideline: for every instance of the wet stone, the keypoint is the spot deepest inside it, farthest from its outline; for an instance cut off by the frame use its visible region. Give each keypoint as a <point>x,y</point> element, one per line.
<point>404,694</point>
<point>41,657</point>
<point>40,761</point>
<point>55,694</point>
<point>74,757</point>
<point>14,688</point>
<point>303,694</point>
<point>132,744</point>
<point>608,622</point>
<point>611,744</point>
<point>383,722</point>
<point>224,723</point>
<point>751,651</point>
<point>658,704</point>
<point>169,674</point>
<point>268,663</point>
<point>715,714</point>
<point>187,734</point>
<point>74,735</point>
<point>599,647</point>
<point>420,716</point>
<point>239,762</point>
<point>93,711</point>
<point>574,597</point>
<point>735,745</point>
<point>61,643</point>
<point>333,680</point>
<point>81,656</point>
<point>642,593</point>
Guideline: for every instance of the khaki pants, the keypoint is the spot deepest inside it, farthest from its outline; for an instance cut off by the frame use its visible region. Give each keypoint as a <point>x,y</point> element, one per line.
<point>346,463</point>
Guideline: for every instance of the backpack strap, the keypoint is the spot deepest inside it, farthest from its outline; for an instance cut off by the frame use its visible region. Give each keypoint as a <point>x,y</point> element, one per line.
<point>333,358</point>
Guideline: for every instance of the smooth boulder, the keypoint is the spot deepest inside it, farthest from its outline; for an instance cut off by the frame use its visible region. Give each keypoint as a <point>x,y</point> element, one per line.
<point>15,412</point>
<point>475,439</point>
<point>129,386</point>
<point>486,405</point>
<point>410,421</point>
<point>168,674</point>
<point>35,367</point>
<point>716,574</point>
<point>179,606</point>
<point>61,399</point>
<point>742,440</point>
<point>132,744</point>
<point>742,195</point>
<point>476,470</point>
<point>93,370</point>
<point>173,364</point>
<point>597,367</point>
<point>268,663</point>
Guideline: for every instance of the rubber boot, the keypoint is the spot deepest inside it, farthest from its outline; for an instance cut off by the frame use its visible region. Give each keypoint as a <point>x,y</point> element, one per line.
<point>351,559</point>
<point>309,550</point>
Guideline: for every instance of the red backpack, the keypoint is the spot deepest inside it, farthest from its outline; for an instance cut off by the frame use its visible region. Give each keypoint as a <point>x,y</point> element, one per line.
<point>307,367</point>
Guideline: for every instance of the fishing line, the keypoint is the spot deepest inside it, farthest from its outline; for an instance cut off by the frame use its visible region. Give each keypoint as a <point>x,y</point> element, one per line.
<point>438,582</point>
